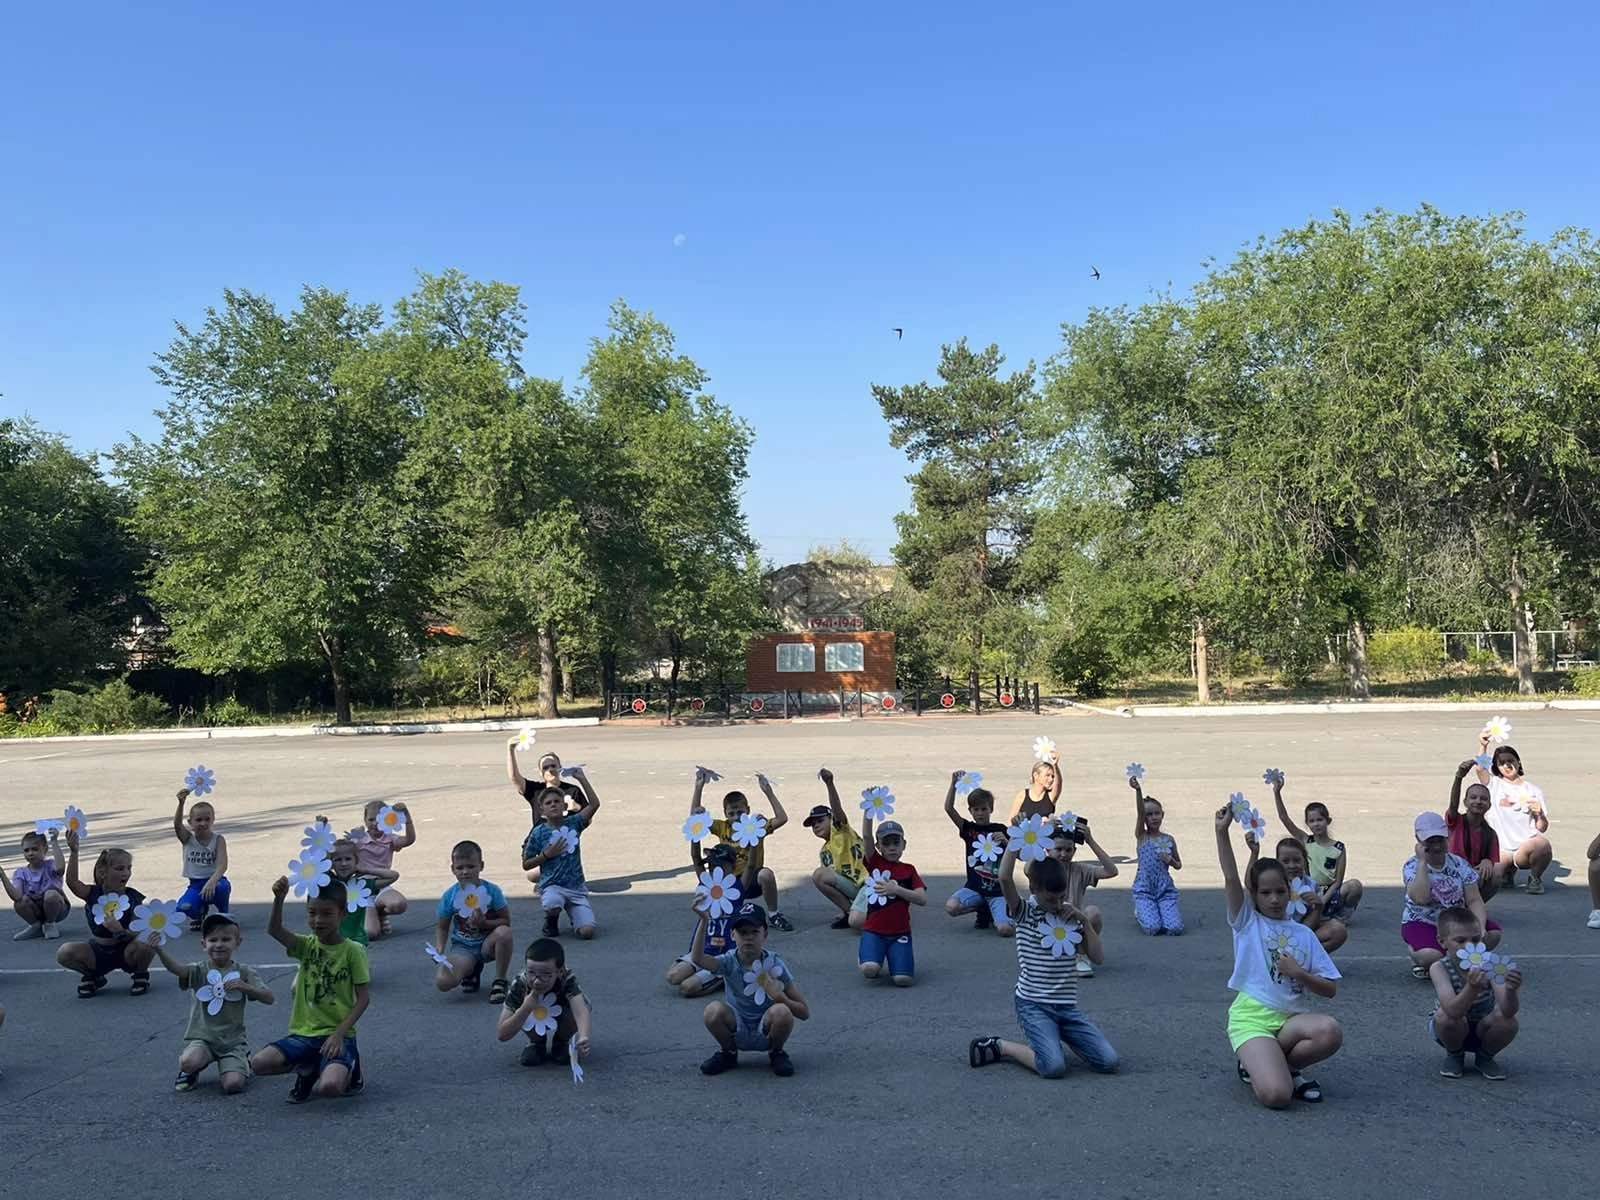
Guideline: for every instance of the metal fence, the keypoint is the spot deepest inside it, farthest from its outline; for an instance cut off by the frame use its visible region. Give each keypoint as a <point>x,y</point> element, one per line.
<point>1554,649</point>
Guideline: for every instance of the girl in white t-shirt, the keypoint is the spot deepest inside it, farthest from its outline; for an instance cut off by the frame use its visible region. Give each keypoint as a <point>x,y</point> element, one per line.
<point>1276,962</point>
<point>1518,815</point>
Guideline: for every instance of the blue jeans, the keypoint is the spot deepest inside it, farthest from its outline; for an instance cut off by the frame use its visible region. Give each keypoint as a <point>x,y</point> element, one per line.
<point>304,1054</point>
<point>1047,1026</point>
<point>875,948</point>
<point>193,907</point>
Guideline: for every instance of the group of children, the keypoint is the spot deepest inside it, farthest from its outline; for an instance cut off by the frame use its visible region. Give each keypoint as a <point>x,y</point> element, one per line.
<point>1287,915</point>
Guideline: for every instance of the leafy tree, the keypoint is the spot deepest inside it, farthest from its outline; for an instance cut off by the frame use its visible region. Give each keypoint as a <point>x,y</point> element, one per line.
<point>844,552</point>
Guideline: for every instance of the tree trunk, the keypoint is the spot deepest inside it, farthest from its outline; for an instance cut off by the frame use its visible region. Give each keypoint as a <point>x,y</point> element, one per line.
<point>1521,633</point>
<point>608,670</point>
<point>1202,669</point>
<point>547,674</point>
<point>1356,660</point>
<point>333,651</point>
<point>569,681</point>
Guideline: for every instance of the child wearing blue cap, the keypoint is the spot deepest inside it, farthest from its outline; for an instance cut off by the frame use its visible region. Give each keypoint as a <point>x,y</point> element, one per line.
<point>761,1001</point>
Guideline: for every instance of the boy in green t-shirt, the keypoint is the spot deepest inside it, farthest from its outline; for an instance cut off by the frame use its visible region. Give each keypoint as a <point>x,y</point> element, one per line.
<point>330,994</point>
<point>841,874</point>
<point>221,987</point>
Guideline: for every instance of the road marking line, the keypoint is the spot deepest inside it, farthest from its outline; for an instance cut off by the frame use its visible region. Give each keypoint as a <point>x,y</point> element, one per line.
<point>58,754</point>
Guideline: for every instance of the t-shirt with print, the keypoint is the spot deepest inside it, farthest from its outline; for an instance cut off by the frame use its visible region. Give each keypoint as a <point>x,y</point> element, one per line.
<point>135,898</point>
<point>749,1008</point>
<point>893,918</point>
<point>718,939</point>
<point>1509,813</point>
<point>1323,861</point>
<point>565,988</point>
<point>842,853</point>
<point>745,858</point>
<point>1258,944</point>
<point>459,929</point>
<point>1447,887</point>
<point>1474,845</point>
<point>983,877</point>
<point>1080,878</point>
<point>200,858</point>
<point>34,882</point>
<point>325,986</point>
<point>374,853</point>
<point>226,1027</point>
<point>1042,975</point>
<point>564,870</point>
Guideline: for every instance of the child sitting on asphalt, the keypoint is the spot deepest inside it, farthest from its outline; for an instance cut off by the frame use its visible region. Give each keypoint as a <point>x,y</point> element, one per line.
<point>1435,880</point>
<point>882,909</point>
<point>111,947</point>
<point>215,1033</point>
<point>690,980</point>
<point>331,991</point>
<point>375,851</point>
<point>1471,835</point>
<point>343,865</point>
<point>981,893</point>
<point>1046,999</point>
<point>38,892</point>
<point>748,861</point>
<point>470,939</point>
<point>1475,1015</point>
<point>1326,859</point>
<point>205,860</point>
<point>546,1003</point>
<point>761,1001</point>
<point>552,846</point>
<point>842,869</point>
<point>1081,877</point>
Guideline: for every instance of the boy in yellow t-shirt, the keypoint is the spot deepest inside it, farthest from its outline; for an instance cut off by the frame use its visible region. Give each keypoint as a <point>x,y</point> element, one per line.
<point>842,872</point>
<point>748,861</point>
<point>330,994</point>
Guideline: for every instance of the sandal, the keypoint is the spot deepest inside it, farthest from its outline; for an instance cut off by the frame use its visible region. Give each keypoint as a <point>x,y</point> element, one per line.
<point>497,991</point>
<point>1307,1090</point>
<point>1244,1076</point>
<point>983,1051</point>
<point>1418,971</point>
<point>141,983</point>
<point>89,985</point>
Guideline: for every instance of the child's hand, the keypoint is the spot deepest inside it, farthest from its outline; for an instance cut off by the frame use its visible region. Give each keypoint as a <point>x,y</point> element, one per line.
<point>825,775</point>
<point>1513,980</point>
<point>183,794</point>
<point>1289,967</point>
<point>583,1046</point>
<point>1224,814</point>
<point>766,784</point>
<point>399,806</point>
<point>1465,768</point>
<point>208,891</point>
<point>72,840</point>
<point>1249,840</point>
<point>333,1046</point>
<point>1483,739</point>
<point>955,777</point>
<point>322,820</point>
<point>280,886</point>
<point>1478,981</point>
<point>1072,913</point>
<point>1133,782</point>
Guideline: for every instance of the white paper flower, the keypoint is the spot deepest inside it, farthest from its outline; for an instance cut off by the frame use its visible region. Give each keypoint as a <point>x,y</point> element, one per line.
<point>48,826</point>
<point>706,775</point>
<point>1475,956</point>
<point>1498,729</point>
<point>1030,837</point>
<point>319,838</point>
<point>542,1018</point>
<point>698,827</point>
<point>434,953</point>
<point>757,977</point>
<point>157,922</point>
<point>1301,890</point>
<point>749,829</point>
<point>1239,806</point>
<point>214,992</point>
<point>392,820</point>
<point>472,901</point>
<point>718,892</point>
<point>567,836</point>
<point>1059,937</point>
<point>572,1059</point>
<point>1043,748</point>
<point>1135,770</point>
<point>526,737</point>
<point>967,784</point>
<point>986,848</point>
<point>200,781</point>
<point>310,873</point>
<point>877,802</point>
<point>357,895</point>
<point>1253,824</point>
<point>110,909</point>
<point>1272,777</point>
<point>875,885</point>
<point>1501,967</point>
<point>1067,820</point>
<point>75,822</point>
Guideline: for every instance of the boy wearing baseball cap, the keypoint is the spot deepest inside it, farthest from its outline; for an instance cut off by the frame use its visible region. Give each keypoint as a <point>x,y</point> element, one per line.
<point>1436,880</point>
<point>221,987</point>
<point>760,1001</point>
<point>842,872</point>
<point>882,909</point>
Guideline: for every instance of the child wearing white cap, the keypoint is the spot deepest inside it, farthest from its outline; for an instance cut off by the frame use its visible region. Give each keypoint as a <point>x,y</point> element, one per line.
<point>1435,880</point>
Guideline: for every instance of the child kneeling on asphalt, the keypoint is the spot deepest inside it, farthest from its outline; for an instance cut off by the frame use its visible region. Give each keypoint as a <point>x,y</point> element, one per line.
<point>546,1003</point>
<point>760,1001</point>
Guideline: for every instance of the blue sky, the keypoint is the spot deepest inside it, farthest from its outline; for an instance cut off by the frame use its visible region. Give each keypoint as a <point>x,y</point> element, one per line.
<point>834,170</point>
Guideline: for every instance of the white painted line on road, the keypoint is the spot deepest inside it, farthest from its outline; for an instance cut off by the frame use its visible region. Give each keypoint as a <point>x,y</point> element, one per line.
<point>35,757</point>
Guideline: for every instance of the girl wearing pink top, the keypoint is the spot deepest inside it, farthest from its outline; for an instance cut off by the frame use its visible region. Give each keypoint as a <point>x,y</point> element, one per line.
<point>375,851</point>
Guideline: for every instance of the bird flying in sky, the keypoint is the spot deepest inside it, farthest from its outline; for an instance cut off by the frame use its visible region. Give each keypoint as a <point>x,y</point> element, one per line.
<point>899,333</point>
<point>1095,271</point>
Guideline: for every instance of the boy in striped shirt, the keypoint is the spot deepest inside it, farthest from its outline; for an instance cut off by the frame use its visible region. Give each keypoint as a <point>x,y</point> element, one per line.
<point>1051,933</point>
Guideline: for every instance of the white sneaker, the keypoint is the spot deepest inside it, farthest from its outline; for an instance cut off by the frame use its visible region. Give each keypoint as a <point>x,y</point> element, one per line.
<point>27,934</point>
<point>51,930</point>
<point>1594,919</point>
<point>1085,967</point>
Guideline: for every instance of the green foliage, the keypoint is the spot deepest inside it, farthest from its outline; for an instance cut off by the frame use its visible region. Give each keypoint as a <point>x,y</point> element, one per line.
<point>110,708</point>
<point>1586,682</point>
<point>230,711</point>
<point>1483,660</point>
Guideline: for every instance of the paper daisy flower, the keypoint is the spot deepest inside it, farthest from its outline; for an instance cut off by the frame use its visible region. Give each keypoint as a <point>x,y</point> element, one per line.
<point>1272,777</point>
<point>1067,820</point>
<point>986,848</point>
<point>1043,748</point>
<point>969,781</point>
<point>1059,937</point>
<point>319,838</point>
<point>357,895</point>
<point>157,921</point>
<point>698,827</point>
<point>200,781</point>
<point>757,978</point>
<point>309,873</point>
<point>1030,837</point>
<point>433,953</point>
<point>213,993</point>
<point>526,737</point>
<point>75,822</point>
<point>1239,806</point>
<point>718,892</point>
<point>392,820</point>
<point>572,1058</point>
<point>706,775</point>
<point>1501,967</point>
<point>1300,891</point>
<point>472,901</point>
<point>110,909</point>
<point>567,836</point>
<point>749,829</point>
<point>1254,825</point>
<point>1134,770</point>
<point>877,802</point>
<point>1475,956</point>
<point>1498,729</point>
<point>875,883</point>
<point>542,1019</point>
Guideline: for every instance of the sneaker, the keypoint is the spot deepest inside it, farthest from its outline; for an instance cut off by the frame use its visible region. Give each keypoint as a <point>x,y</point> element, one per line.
<point>778,921</point>
<point>1594,919</point>
<point>722,1060</point>
<point>1454,1065</point>
<point>844,922</point>
<point>1085,967</point>
<point>51,930</point>
<point>185,1081</point>
<point>552,922</point>
<point>782,1064</point>
<point>533,1054</point>
<point>194,925</point>
<point>304,1082</point>
<point>985,919</point>
<point>28,933</point>
<point>1488,1068</point>
<point>1535,886</point>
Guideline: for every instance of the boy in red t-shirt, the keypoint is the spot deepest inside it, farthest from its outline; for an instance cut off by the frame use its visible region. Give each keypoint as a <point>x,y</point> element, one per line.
<point>882,908</point>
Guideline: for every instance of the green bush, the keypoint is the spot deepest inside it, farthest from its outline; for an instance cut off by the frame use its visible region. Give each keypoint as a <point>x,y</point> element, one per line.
<point>112,707</point>
<point>1484,660</point>
<point>230,711</point>
<point>1406,653</point>
<point>1586,682</point>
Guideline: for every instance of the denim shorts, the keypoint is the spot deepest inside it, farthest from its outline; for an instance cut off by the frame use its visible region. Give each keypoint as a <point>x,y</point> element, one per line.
<point>875,947</point>
<point>967,898</point>
<point>305,1053</point>
<point>472,950</point>
<point>750,1037</point>
<point>1048,1026</point>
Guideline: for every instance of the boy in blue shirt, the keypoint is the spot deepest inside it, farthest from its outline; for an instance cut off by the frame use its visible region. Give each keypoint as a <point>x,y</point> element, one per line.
<point>471,940</point>
<point>552,846</point>
<point>717,938</point>
<point>760,1001</point>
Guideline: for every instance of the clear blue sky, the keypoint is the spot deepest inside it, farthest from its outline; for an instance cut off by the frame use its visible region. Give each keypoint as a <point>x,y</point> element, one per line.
<point>834,170</point>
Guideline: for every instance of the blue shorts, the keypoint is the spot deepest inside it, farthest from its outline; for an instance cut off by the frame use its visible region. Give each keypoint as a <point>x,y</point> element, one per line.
<point>875,947</point>
<point>967,898</point>
<point>1334,905</point>
<point>304,1054</point>
<point>193,907</point>
<point>473,950</point>
<point>751,1037</point>
<point>1469,1045</point>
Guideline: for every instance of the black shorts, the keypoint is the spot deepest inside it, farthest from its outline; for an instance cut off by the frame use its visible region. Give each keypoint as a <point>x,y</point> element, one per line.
<point>110,957</point>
